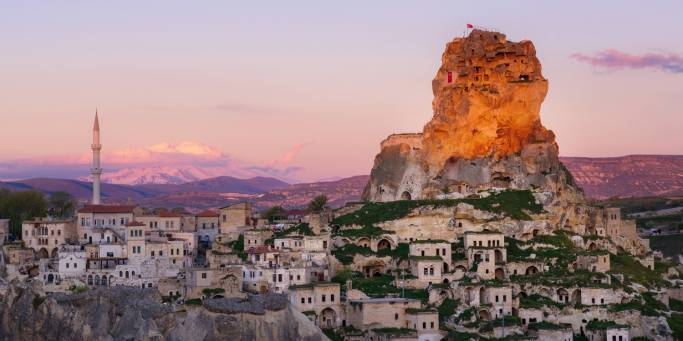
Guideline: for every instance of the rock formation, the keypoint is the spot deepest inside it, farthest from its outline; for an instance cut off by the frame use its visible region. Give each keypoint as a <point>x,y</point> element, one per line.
<point>128,313</point>
<point>486,129</point>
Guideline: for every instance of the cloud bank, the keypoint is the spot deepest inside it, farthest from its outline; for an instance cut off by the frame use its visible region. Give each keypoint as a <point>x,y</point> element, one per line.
<point>617,60</point>
<point>200,158</point>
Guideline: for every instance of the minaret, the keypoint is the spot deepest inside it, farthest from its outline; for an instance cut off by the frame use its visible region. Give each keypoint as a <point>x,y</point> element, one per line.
<point>96,171</point>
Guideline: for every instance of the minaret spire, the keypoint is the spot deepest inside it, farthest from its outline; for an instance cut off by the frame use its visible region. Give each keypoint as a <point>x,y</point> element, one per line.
<point>96,170</point>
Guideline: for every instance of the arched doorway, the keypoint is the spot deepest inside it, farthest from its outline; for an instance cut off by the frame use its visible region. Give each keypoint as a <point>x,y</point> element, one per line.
<point>383,244</point>
<point>97,280</point>
<point>576,297</point>
<point>562,295</point>
<point>329,318</point>
<point>42,253</point>
<point>89,279</point>
<point>445,281</point>
<point>482,296</point>
<point>50,278</point>
<point>592,246</point>
<point>103,281</point>
<point>484,315</point>
<point>531,270</point>
<point>406,196</point>
<point>54,253</point>
<point>500,274</point>
<point>499,256</point>
<point>445,267</point>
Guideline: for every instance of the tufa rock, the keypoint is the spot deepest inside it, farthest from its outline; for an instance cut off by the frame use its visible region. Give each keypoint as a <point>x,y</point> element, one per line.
<point>486,130</point>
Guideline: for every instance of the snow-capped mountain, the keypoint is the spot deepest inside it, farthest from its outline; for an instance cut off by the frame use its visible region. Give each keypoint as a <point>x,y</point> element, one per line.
<point>155,175</point>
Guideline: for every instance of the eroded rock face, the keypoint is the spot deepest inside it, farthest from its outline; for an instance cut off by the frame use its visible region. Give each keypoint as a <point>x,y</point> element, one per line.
<point>486,129</point>
<point>127,313</point>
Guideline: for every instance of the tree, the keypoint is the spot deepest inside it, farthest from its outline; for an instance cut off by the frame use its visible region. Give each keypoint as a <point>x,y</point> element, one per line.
<point>62,205</point>
<point>20,206</point>
<point>318,204</point>
<point>273,213</point>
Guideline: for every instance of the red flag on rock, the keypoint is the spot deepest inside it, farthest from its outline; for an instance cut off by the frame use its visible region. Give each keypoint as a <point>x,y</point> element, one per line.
<point>470,26</point>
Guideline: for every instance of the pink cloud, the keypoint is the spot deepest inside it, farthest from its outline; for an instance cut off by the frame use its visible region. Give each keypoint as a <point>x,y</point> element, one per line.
<point>207,159</point>
<point>617,60</point>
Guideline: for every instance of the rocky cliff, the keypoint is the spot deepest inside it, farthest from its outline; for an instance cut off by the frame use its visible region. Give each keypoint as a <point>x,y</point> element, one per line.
<point>126,313</point>
<point>486,129</point>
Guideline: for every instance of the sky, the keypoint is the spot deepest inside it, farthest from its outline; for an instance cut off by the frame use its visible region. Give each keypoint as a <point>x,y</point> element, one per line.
<point>306,90</point>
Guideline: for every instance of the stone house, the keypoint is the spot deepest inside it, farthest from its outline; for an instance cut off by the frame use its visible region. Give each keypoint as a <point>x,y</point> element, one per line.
<point>437,248</point>
<point>593,263</point>
<point>426,322</point>
<point>278,279</point>
<point>115,217</point>
<point>45,236</point>
<point>206,225</point>
<point>72,262</point>
<point>386,312</point>
<point>4,231</point>
<point>17,255</point>
<point>225,282</point>
<point>256,238</point>
<point>235,217</point>
<point>322,298</point>
<point>427,269</point>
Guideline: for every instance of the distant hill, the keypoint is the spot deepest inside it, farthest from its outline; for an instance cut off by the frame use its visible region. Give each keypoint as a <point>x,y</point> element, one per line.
<point>628,176</point>
<point>147,193</point>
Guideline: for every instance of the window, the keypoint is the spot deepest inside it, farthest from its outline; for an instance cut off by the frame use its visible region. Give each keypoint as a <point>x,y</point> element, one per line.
<point>303,300</point>
<point>424,325</point>
<point>309,300</point>
<point>331,297</point>
<point>323,298</point>
<point>67,265</point>
<point>504,298</point>
<point>279,277</point>
<point>496,298</point>
<point>431,325</point>
<point>396,316</point>
<point>203,274</point>
<point>75,265</point>
<point>426,271</point>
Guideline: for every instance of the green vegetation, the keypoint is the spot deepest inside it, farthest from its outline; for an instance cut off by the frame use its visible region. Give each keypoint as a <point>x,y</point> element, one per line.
<point>675,305</point>
<point>237,247</point>
<point>669,245</point>
<point>633,271</point>
<point>545,325</point>
<point>446,309</point>
<point>274,213</point>
<point>675,322</point>
<point>674,220</point>
<point>212,291</point>
<point>302,229</point>
<point>78,289</point>
<point>514,204</point>
<point>20,206</point>
<point>395,331</point>
<point>648,306</point>
<point>466,315</point>
<point>318,204</point>
<point>506,320</point>
<point>383,286</point>
<point>601,325</point>
<point>61,205</point>
<point>332,334</point>
<point>194,301</point>
<point>38,300</point>
<point>346,253</point>
<point>633,205</point>
<point>365,231</point>
<point>536,301</point>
